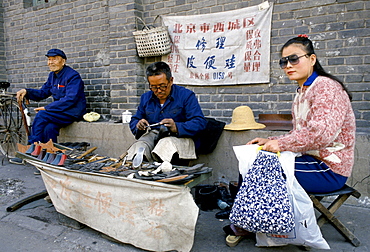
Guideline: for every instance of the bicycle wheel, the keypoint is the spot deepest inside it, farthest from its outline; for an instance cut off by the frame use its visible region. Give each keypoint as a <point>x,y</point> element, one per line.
<point>12,130</point>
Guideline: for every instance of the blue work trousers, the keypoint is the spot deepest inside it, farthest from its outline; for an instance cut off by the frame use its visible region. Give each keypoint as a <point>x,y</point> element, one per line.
<point>46,126</point>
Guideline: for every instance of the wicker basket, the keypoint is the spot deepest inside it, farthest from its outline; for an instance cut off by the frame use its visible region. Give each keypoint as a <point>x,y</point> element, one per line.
<point>152,41</point>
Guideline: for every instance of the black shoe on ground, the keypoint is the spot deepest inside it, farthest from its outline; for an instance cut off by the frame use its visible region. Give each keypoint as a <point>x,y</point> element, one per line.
<point>224,214</point>
<point>17,161</point>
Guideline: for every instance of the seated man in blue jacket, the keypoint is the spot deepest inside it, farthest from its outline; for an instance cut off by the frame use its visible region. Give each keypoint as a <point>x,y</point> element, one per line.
<point>176,112</point>
<point>66,87</point>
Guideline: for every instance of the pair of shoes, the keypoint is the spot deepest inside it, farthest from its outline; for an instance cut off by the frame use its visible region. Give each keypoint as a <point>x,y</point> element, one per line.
<point>233,240</point>
<point>16,160</point>
<point>224,214</point>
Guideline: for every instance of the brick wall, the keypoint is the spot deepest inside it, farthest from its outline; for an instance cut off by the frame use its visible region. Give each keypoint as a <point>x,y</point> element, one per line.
<point>97,38</point>
<point>3,76</point>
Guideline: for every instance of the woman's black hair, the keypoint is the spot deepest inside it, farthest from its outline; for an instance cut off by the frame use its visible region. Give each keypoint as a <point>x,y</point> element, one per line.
<point>307,46</point>
<point>157,68</point>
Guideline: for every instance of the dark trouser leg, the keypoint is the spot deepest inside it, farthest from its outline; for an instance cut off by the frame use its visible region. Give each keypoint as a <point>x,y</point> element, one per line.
<point>46,126</point>
<point>315,176</point>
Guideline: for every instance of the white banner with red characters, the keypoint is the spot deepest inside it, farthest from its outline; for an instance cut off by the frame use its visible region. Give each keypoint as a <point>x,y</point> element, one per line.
<point>150,215</point>
<point>226,48</point>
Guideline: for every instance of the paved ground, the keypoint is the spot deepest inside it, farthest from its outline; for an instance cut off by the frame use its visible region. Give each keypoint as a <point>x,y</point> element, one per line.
<point>37,227</point>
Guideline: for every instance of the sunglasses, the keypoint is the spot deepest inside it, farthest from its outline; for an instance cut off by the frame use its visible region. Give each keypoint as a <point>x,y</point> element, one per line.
<point>293,59</point>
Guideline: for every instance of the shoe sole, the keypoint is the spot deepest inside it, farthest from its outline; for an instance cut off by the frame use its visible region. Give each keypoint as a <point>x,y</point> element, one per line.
<point>138,159</point>
<point>232,240</point>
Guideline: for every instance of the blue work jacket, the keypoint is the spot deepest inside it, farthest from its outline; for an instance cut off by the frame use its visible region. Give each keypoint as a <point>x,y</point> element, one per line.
<point>181,105</point>
<point>67,90</point>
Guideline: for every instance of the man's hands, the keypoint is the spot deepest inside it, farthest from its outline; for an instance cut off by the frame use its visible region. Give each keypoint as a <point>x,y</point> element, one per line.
<point>168,122</point>
<point>20,94</point>
<point>141,124</point>
<point>268,145</point>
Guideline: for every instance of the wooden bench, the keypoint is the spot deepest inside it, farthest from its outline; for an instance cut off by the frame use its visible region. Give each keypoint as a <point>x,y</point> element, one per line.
<point>327,214</point>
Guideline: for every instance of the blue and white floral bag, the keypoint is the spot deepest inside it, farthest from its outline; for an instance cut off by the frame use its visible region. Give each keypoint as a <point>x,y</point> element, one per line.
<point>262,204</point>
<point>306,231</point>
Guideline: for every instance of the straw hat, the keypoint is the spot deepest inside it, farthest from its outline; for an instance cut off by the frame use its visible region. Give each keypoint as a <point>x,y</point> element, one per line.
<point>243,119</point>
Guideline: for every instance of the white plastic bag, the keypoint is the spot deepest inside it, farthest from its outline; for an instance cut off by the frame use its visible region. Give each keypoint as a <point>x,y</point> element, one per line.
<point>306,231</point>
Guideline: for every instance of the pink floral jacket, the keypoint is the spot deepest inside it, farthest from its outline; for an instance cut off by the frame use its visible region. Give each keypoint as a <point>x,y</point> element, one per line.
<point>323,125</point>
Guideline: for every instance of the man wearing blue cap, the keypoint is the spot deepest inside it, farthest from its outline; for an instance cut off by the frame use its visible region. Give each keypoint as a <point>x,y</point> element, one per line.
<point>66,87</point>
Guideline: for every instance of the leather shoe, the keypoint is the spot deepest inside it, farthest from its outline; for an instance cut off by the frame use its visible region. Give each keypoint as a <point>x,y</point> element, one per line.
<point>57,159</point>
<point>30,149</point>
<point>224,214</point>
<point>51,158</point>
<point>62,159</point>
<point>46,157</point>
<point>42,154</point>
<point>36,151</point>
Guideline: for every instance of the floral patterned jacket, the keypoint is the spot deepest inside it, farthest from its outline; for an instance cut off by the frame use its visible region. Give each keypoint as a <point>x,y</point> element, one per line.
<point>323,125</point>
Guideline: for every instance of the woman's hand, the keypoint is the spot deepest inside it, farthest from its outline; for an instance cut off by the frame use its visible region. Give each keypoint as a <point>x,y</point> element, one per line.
<point>258,140</point>
<point>268,145</point>
<point>272,146</point>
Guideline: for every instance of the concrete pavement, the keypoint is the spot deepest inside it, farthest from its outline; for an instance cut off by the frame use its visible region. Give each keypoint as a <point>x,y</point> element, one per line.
<point>36,226</point>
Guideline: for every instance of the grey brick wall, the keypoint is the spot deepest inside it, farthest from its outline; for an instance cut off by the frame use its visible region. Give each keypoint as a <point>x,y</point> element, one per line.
<point>3,76</point>
<point>97,38</point>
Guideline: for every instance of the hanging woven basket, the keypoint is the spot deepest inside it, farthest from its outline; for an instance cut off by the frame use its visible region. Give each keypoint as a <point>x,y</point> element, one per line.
<point>152,41</point>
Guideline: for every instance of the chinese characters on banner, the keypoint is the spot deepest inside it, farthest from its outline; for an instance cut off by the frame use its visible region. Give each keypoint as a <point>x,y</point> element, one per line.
<point>227,48</point>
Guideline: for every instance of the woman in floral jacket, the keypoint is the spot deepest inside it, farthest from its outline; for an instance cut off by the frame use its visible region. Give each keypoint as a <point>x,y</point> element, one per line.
<point>323,121</point>
<point>323,126</point>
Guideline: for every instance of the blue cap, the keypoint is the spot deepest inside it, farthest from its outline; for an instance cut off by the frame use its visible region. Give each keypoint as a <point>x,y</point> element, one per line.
<point>56,52</point>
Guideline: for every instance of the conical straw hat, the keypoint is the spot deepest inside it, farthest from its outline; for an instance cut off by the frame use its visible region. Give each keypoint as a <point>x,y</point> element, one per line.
<point>243,119</point>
